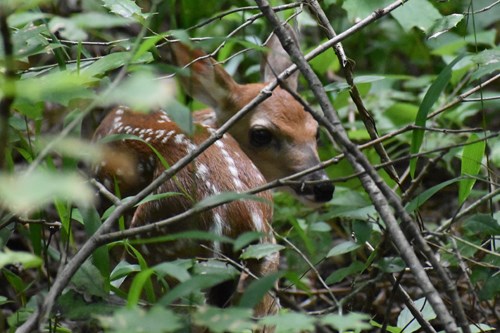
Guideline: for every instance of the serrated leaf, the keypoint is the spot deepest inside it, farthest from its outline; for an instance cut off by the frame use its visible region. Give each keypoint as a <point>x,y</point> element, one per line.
<point>224,320</point>
<point>137,320</point>
<point>345,247</point>
<point>260,251</point>
<point>444,24</point>
<point>406,319</point>
<point>432,95</point>
<point>27,259</point>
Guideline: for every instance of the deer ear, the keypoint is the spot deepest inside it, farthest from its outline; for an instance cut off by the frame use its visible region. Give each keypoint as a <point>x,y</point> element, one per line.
<point>277,60</point>
<point>204,80</point>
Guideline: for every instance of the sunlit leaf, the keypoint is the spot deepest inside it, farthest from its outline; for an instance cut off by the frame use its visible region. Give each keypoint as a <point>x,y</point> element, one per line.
<point>26,192</point>
<point>444,24</point>
<point>290,322</point>
<point>406,319</point>
<point>260,251</point>
<point>27,259</point>
<point>136,320</point>
<point>125,8</point>
<point>348,322</point>
<point>345,247</point>
<point>420,14</point>
<point>141,92</point>
<point>224,320</point>
<point>67,29</point>
<point>472,157</point>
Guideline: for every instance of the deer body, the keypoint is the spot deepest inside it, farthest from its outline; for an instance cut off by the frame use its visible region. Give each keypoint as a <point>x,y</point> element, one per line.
<point>276,139</point>
<point>221,168</point>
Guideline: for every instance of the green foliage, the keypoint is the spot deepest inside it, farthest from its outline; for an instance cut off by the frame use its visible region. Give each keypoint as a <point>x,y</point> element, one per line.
<point>335,259</point>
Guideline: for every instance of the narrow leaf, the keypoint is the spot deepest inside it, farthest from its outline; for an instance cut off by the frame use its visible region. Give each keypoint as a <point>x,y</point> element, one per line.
<point>472,157</point>
<point>430,98</point>
<point>342,248</point>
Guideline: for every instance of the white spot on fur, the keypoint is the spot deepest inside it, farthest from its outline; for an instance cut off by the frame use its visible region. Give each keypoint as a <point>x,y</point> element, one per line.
<point>257,220</point>
<point>179,138</point>
<point>119,112</point>
<point>217,229</point>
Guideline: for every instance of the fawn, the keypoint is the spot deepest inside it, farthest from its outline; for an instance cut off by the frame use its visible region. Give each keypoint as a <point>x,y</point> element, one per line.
<point>276,139</point>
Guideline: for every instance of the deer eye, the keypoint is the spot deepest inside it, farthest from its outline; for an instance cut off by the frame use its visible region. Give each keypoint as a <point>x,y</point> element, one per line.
<point>260,137</point>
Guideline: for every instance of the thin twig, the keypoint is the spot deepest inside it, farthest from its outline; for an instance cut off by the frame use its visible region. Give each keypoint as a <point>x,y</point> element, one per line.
<point>379,192</point>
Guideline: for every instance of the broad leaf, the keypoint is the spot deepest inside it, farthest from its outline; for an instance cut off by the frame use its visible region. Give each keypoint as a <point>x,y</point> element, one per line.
<point>137,320</point>
<point>27,259</point>
<point>224,320</point>
<point>408,322</point>
<point>342,248</point>
<point>260,251</point>
<point>419,14</point>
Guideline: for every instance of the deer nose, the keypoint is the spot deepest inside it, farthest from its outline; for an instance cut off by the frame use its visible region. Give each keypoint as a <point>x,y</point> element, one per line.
<point>323,192</point>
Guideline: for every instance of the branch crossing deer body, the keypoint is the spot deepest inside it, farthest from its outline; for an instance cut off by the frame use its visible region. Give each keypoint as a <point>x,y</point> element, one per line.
<point>276,139</point>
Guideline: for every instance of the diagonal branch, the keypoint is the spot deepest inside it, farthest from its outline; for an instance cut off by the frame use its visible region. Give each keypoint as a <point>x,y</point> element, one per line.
<point>381,195</point>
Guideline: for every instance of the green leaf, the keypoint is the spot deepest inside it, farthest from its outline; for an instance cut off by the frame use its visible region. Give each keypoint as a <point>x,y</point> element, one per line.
<point>141,92</point>
<point>196,283</point>
<point>224,320</point>
<point>482,224</point>
<point>391,264</point>
<point>88,280</point>
<point>96,20</point>
<point>257,289</point>
<point>420,199</point>
<point>444,24</point>
<point>341,273</point>
<point>432,95</point>
<point>181,115</point>
<point>27,259</point>
<point>125,8</point>
<point>59,87</point>
<point>173,269</point>
<point>408,322</point>
<point>225,197</point>
<point>245,239</point>
<point>348,322</point>
<point>420,14</point>
<point>137,320</point>
<point>113,61</point>
<point>21,5</point>
<point>67,29</point>
<point>359,9</point>
<point>342,248</point>
<point>472,157</point>
<point>137,286</point>
<point>290,322</point>
<point>25,192</point>
<point>260,251</point>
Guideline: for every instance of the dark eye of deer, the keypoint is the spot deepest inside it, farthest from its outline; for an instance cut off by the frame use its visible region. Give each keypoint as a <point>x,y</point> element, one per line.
<point>260,137</point>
